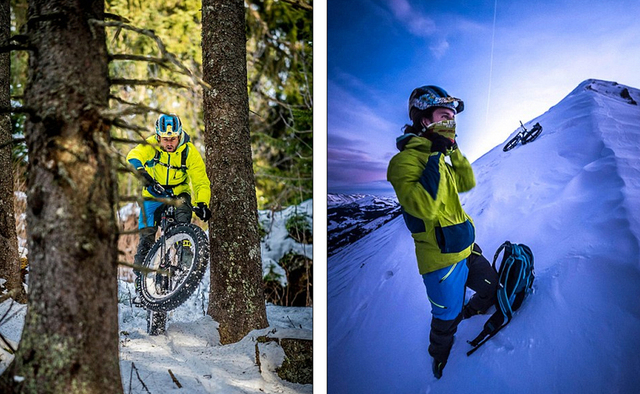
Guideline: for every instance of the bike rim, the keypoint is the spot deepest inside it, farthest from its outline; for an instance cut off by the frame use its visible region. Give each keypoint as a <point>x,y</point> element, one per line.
<point>175,268</point>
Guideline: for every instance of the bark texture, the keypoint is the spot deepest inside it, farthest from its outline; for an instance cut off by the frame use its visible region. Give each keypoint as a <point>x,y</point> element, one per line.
<point>9,262</point>
<point>237,296</point>
<point>70,338</point>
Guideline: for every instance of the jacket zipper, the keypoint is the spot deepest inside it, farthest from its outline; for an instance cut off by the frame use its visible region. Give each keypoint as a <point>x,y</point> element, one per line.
<point>168,167</point>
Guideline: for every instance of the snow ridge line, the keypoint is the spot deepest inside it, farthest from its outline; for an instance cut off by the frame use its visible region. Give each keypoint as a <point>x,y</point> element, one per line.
<point>625,156</point>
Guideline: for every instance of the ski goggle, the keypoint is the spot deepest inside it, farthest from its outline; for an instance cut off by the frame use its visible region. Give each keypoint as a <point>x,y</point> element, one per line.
<point>429,100</point>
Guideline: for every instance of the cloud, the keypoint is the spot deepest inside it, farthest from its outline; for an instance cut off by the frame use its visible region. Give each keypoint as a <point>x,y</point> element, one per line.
<point>360,137</point>
<point>358,117</point>
<point>420,25</point>
<point>342,172</point>
<point>345,154</point>
<point>417,24</point>
<point>439,49</point>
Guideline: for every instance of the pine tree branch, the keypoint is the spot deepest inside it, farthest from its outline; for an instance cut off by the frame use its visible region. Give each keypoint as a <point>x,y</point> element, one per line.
<point>17,110</point>
<point>133,366</point>
<point>143,107</point>
<point>299,4</point>
<point>143,269</point>
<point>263,175</point>
<point>166,55</point>
<point>124,125</point>
<point>14,141</point>
<point>16,47</point>
<point>146,82</point>
<point>126,141</point>
<point>175,380</point>
<point>140,58</point>
<point>20,38</point>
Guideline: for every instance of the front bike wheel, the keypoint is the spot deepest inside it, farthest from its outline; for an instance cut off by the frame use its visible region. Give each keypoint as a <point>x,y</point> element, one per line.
<point>174,266</point>
<point>512,144</point>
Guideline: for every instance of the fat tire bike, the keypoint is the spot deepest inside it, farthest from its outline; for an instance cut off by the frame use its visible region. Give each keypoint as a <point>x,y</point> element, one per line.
<point>525,136</point>
<point>173,267</point>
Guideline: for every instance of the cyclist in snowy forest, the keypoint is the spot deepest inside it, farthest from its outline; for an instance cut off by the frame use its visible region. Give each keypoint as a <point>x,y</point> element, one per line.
<point>427,187</point>
<point>168,161</point>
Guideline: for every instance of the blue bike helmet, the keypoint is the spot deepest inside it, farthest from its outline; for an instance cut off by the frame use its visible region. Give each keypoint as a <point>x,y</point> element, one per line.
<point>168,126</point>
<point>432,96</point>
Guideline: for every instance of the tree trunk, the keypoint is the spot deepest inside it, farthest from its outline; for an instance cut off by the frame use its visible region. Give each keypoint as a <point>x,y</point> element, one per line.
<point>9,259</point>
<point>237,297</point>
<point>70,338</point>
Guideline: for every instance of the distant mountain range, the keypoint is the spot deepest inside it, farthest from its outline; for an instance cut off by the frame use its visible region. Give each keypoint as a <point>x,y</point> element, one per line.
<point>352,216</point>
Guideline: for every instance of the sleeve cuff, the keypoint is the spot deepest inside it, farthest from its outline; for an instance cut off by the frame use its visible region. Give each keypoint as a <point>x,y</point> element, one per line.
<point>137,164</point>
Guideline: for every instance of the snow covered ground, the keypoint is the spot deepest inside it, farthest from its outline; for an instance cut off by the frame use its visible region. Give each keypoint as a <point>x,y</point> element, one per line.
<point>191,347</point>
<point>191,350</point>
<point>573,196</point>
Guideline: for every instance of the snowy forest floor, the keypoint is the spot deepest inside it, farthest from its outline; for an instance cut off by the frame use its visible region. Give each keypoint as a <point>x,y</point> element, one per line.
<point>190,349</point>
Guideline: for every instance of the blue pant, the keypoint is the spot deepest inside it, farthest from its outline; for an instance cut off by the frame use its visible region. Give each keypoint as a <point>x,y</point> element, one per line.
<point>149,207</point>
<point>446,289</point>
<point>147,212</point>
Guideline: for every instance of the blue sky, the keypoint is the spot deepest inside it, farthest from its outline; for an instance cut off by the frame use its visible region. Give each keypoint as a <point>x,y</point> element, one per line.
<point>378,51</point>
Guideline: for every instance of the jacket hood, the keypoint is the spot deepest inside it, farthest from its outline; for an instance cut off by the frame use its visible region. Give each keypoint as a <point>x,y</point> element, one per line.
<point>412,141</point>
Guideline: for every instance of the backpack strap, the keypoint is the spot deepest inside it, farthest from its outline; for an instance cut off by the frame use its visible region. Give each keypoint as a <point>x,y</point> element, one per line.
<point>491,328</point>
<point>185,154</point>
<point>507,247</point>
<point>183,162</point>
<point>517,265</point>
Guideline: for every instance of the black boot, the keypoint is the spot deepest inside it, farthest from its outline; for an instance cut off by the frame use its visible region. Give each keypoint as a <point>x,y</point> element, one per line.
<point>147,238</point>
<point>437,368</point>
<point>137,300</point>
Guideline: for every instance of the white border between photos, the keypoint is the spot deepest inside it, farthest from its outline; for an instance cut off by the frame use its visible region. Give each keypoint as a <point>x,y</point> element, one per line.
<point>320,197</point>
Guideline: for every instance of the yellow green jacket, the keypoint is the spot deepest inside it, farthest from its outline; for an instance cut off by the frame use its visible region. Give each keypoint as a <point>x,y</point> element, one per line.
<point>167,168</point>
<point>427,188</point>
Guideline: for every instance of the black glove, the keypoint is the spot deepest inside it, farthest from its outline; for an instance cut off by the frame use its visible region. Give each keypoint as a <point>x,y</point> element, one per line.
<point>151,184</point>
<point>202,212</point>
<point>157,190</point>
<point>440,144</point>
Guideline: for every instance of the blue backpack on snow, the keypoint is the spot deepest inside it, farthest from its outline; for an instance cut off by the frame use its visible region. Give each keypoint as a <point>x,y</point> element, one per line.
<point>516,277</point>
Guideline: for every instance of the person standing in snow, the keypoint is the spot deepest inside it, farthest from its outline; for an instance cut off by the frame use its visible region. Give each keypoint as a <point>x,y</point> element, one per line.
<point>427,187</point>
<point>168,161</point>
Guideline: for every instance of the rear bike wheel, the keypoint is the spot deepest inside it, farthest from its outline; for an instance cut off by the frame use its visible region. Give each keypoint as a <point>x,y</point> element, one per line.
<point>175,265</point>
<point>512,144</point>
<point>531,136</point>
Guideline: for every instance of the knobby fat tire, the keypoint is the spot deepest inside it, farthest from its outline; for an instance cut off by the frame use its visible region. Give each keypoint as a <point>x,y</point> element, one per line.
<point>512,144</point>
<point>196,270</point>
<point>529,138</point>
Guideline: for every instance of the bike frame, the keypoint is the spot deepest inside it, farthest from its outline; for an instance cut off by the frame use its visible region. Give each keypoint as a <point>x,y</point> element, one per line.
<point>167,217</point>
<point>524,130</point>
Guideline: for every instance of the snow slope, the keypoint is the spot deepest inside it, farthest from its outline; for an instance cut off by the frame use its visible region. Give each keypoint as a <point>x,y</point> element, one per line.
<point>573,196</point>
